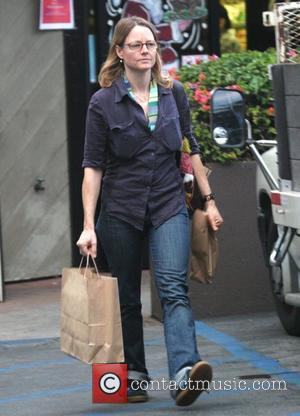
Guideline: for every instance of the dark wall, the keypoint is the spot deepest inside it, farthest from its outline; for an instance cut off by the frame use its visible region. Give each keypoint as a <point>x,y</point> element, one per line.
<point>78,92</point>
<point>77,97</point>
<point>241,284</point>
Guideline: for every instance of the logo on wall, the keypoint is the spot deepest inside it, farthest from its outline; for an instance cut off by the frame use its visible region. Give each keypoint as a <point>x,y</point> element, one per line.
<point>181,24</point>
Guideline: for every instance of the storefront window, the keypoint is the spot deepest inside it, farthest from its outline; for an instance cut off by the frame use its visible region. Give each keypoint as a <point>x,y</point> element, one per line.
<point>181,24</point>
<point>232,20</point>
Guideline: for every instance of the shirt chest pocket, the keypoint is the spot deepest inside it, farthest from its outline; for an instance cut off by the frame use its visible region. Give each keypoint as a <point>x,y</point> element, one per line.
<point>124,141</point>
<point>171,133</point>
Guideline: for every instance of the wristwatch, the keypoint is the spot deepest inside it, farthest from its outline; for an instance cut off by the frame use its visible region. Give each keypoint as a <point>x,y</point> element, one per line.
<point>208,197</point>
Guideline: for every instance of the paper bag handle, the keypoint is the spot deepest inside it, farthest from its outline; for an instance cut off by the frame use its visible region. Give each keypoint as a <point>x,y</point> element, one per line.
<point>87,265</point>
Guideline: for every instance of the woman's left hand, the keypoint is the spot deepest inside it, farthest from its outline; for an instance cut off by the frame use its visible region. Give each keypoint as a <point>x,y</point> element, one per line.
<point>214,217</point>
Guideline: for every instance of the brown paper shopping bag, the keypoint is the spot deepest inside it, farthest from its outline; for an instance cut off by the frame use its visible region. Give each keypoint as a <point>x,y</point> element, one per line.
<point>90,316</point>
<point>204,248</point>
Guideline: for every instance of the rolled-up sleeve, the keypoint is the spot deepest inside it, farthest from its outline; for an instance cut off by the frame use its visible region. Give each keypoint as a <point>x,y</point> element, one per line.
<point>185,117</point>
<point>96,134</point>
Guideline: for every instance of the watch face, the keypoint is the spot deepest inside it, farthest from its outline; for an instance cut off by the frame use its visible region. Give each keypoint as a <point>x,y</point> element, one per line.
<point>208,197</point>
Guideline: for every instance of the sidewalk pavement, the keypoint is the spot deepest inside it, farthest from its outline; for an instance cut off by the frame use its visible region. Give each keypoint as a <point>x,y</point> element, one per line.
<point>37,379</point>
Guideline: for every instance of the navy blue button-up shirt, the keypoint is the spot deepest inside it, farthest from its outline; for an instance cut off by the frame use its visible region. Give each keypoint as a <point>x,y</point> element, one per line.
<point>141,174</point>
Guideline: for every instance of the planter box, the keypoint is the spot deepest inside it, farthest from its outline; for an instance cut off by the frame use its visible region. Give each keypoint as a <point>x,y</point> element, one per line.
<point>241,284</point>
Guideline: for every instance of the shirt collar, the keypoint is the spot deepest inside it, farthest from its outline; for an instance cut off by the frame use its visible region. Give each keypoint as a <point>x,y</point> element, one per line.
<point>121,90</point>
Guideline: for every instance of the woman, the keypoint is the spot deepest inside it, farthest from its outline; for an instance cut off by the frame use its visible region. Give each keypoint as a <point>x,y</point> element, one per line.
<point>133,130</point>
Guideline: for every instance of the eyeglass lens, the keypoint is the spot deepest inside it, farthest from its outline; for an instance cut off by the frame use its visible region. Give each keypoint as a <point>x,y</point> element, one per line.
<point>134,46</point>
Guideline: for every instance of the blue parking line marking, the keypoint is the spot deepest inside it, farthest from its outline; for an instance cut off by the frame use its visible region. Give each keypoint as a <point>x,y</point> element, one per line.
<point>141,409</point>
<point>154,341</point>
<point>239,350</point>
<point>47,393</point>
<point>36,364</point>
<point>164,403</point>
<point>70,360</point>
<point>20,342</point>
<point>27,341</point>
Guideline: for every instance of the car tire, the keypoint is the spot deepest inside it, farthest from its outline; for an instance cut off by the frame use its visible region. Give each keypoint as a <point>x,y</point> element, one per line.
<point>288,315</point>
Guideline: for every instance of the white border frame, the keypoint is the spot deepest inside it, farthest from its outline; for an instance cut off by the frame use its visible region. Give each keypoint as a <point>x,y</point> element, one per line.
<point>56,26</point>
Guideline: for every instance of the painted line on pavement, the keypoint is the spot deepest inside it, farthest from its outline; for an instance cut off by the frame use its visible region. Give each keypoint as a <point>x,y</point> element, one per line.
<point>70,360</point>
<point>241,351</point>
<point>238,350</point>
<point>155,341</point>
<point>47,393</point>
<point>26,341</point>
<point>87,387</point>
<point>37,364</point>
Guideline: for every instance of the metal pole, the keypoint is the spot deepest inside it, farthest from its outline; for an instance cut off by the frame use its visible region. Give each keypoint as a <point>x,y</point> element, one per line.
<point>77,96</point>
<point>260,161</point>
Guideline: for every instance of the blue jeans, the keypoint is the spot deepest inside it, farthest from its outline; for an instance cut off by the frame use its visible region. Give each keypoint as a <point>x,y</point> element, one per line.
<point>169,256</point>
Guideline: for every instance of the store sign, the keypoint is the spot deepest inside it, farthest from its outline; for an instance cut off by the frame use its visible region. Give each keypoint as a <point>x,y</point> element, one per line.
<point>56,14</point>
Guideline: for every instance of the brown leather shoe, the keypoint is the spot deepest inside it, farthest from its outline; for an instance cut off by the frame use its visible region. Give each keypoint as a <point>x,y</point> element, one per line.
<point>199,376</point>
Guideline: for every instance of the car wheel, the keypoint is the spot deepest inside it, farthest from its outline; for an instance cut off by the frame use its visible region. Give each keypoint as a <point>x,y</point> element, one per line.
<point>288,315</point>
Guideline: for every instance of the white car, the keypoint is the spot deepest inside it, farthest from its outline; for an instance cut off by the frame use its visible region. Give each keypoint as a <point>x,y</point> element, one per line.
<point>285,277</point>
<point>278,207</point>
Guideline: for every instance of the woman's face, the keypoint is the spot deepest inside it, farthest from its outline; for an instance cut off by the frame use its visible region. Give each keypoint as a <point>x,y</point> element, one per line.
<point>139,49</point>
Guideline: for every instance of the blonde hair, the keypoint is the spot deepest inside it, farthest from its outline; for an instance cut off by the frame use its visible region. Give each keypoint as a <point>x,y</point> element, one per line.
<point>113,68</point>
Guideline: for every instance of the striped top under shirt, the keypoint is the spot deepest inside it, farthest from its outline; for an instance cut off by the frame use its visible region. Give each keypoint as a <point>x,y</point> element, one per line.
<point>152,102</point>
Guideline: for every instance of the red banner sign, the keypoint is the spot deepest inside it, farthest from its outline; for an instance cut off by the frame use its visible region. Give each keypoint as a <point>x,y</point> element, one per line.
<point>56,14</point>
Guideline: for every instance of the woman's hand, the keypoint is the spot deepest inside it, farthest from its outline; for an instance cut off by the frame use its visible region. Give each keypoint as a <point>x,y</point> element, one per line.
<point>87,243</point>
<point>214,217</point>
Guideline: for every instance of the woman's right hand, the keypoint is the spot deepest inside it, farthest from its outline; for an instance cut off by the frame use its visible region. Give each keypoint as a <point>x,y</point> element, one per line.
<point>87,243</point>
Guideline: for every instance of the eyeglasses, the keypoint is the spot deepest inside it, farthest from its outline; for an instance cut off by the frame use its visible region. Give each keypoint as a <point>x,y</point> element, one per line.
<point>137,46</point>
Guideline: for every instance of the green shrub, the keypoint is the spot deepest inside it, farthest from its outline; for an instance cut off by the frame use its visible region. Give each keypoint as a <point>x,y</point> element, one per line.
<point>246,71</point>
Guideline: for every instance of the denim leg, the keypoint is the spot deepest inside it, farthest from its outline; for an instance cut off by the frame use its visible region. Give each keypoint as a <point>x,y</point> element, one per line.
<point>169,253</point>
<point>122,244</point>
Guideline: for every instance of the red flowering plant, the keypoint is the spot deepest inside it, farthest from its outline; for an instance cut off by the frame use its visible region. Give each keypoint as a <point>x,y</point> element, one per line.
<point>245,71</point>
<point>293,55</point>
